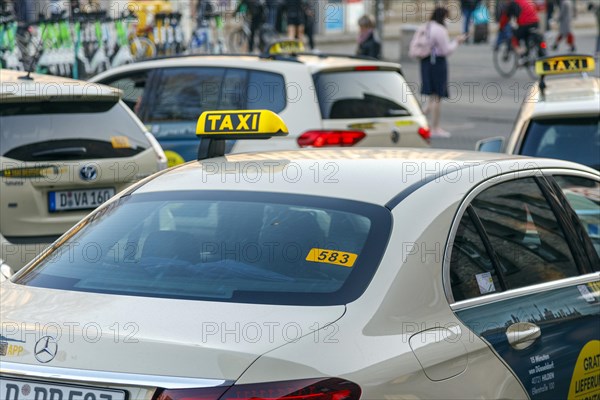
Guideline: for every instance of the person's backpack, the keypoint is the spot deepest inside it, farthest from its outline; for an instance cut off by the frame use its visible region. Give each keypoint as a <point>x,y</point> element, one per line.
<point>481,14</point>
<point>420,44</point>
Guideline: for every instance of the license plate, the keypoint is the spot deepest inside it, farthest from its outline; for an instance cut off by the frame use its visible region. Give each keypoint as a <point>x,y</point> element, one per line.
<point>78,199</point>
<point>12,389</point>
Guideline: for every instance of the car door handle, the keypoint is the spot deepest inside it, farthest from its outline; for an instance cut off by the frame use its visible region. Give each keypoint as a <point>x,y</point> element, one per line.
<point>522,335</point>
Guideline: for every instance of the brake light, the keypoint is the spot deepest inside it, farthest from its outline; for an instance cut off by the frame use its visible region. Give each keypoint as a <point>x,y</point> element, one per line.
<point>330,138</point>
<point>212,393</point>
<point>306,389</point>
<point>425,133</point>
<point>366,68</point>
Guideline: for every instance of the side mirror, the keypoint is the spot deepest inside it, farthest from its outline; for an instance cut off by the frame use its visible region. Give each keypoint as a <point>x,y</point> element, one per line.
<point>490,145</point>
<point>5,271</point>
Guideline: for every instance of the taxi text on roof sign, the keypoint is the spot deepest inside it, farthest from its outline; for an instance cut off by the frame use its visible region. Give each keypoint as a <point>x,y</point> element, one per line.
<point>286,47</point>
<point>565,65</point>
<point>240,124</point>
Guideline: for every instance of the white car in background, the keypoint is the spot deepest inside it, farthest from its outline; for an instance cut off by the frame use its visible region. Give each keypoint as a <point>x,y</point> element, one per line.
<point>560,115</point>
<point>66,147</point>
<point>326,100</point>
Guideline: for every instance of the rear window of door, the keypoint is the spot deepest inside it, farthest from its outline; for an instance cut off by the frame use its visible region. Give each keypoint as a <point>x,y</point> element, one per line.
<point>364,94</point>
<point>509,238</point>
<point>46,131</point>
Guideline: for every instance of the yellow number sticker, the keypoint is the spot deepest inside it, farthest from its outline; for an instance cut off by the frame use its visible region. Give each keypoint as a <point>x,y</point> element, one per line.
<point>120,142</point>
<point>332,257</point>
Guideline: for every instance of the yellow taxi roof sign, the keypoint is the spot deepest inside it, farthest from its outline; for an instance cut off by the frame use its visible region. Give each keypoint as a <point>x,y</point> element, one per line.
<point>566,64</point>
<point>240,124</point>
<point>286,47</point>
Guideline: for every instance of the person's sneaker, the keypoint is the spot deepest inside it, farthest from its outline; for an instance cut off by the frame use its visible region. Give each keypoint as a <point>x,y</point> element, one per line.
<point>440,133</point>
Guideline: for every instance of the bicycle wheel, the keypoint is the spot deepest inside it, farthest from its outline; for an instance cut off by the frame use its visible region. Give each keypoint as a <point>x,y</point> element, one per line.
<point>238,41</point>
<point>505,60</point>
<point>142,47</point>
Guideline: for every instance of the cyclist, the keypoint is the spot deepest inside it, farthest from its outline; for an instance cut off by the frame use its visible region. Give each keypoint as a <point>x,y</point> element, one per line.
<point>256,10</point>
<point>526,16</point>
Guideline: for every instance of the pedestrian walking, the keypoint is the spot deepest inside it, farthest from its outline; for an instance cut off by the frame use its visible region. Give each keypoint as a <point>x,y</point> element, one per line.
<point>434,68</point>
<point>550,5</point>
<point>256,10</point>
<point>272,12</point>
<point>368,43</point>
<point>295,19</point>
<point>564,25</point>
<point>309,23</point>
<point>467,7</point>
<point>596,9</point>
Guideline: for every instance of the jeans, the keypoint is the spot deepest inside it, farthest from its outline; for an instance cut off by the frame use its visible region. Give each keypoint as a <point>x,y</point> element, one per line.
<point>467,17</point>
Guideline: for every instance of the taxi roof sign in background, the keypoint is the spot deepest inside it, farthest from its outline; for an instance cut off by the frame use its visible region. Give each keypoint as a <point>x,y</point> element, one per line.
<point>240,124</point>
<point>286,47</point>
<point>569,64</point>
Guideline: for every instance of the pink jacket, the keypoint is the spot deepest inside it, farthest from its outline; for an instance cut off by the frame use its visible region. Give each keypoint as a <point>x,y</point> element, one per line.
<point>440,40</point>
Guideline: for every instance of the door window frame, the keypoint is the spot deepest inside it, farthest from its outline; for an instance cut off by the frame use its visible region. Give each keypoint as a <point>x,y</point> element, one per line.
<point>544,179</point>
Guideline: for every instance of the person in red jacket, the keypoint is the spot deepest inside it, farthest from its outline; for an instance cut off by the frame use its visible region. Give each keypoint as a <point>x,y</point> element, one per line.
<point>526,16</point>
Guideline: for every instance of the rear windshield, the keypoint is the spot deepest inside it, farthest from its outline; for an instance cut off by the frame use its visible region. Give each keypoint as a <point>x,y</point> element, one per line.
<point>572,139</point>
<point>50,131</point>
<point>222,246</point>
<point>364,94</point>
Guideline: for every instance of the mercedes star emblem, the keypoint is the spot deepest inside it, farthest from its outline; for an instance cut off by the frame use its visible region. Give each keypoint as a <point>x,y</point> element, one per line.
<point>45,349</point>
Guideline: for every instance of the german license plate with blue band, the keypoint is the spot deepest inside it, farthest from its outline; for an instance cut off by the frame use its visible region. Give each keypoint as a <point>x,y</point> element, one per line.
<point>14,389</point>
<point>66,200</point>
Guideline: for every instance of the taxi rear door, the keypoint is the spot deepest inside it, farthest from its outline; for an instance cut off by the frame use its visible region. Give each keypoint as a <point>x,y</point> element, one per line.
<point>522,280</point>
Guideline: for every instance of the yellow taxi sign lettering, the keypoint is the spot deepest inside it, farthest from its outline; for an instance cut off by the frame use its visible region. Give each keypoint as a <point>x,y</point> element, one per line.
<point>286,47</point>
<point>336,257</point>
<point>248,124</point>
<point>565,65</point>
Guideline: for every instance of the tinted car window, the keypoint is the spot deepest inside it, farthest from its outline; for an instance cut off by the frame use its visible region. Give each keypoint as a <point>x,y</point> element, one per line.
<point>132,86</point>
<point>240,247</point>
<point>69,131</point>
<point>364,94</point>
<point>472,272</point>
<point>180,95</point>
<point>572,139</point>
<point>524,233</point>
<point>266,91</point>
<point>584,197</point>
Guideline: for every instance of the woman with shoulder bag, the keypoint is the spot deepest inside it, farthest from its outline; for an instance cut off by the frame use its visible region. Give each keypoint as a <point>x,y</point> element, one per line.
<point>434,68</point>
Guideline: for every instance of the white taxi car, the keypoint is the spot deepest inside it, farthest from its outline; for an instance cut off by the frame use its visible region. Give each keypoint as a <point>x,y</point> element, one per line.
<point>66,146</point>
<point>319,274</point>
<point>326,100</point>
<point>560,117</point>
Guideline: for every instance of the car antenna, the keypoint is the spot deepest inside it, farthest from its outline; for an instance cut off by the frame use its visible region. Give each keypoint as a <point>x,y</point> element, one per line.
<point>35,58</point>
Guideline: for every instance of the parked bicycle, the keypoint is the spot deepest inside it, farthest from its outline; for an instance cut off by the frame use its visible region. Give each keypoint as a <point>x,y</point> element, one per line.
<point>240,38</point>
<point>209,38</point>
<point>507,61</point>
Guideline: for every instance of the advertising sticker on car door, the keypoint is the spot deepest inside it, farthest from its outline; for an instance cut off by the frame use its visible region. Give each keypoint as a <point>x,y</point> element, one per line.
<point>558,356</point>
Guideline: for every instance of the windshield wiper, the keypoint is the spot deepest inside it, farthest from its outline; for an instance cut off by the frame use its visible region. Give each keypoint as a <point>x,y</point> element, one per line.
<point>61,151</point>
